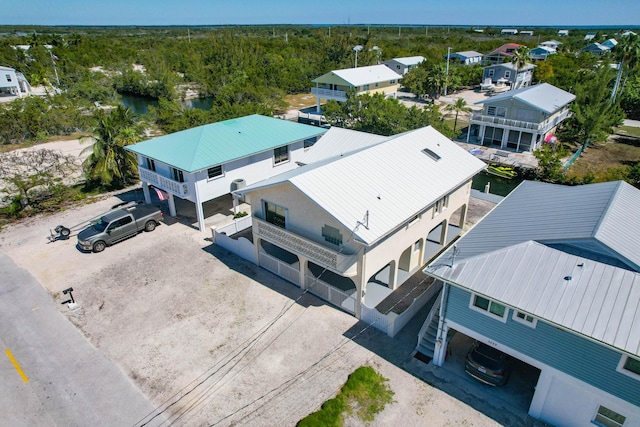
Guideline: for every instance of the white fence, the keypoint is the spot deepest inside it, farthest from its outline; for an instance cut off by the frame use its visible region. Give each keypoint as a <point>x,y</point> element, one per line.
<point>288,272</point>
<point>329,293</point>
<point>392,323</point>
<point>241,246</point>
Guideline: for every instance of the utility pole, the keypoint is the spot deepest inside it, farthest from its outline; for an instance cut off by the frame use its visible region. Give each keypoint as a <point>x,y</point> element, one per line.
<point>446,78</point>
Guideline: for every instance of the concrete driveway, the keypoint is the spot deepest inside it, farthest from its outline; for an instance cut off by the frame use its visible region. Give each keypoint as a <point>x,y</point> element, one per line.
<point>213,340</point>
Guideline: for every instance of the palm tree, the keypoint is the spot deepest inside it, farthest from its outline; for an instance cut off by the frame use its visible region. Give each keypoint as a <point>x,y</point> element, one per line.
<point>459,106</point>
<point>108,161</point>
<point>521,57</point>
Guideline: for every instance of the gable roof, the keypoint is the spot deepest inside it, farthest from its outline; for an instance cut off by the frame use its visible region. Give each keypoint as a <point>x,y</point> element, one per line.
<point>595,299</point>
<point>596,47</point>
<point>205,146</point>
<point>409,60</point>
<point>339,142</point>
<point>551,43</point>
<point>523,250</point>
<point>391,181</point>
<point>364,75</point>
<point>545,97</point>
<point>543,49</point>
<point>502,50</point>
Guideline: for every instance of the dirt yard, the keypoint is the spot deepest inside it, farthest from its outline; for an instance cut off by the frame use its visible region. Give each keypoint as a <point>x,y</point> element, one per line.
<point>212,339</point>
<point>608,160</point>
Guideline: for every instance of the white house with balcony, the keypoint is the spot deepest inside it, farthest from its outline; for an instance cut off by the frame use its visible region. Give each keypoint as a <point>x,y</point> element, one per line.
<point>371,79</point>
<point>519,120</point>
<point>13,83</point>
<point>354,227</point>
<point>403,65</point>
<point>207,162</point>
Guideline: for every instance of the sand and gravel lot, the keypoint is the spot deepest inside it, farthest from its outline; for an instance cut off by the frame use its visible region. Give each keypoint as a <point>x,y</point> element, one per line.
<point>212,339</point>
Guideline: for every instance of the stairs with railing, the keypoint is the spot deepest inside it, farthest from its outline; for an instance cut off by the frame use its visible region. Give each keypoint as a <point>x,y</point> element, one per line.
<point>429,332</point>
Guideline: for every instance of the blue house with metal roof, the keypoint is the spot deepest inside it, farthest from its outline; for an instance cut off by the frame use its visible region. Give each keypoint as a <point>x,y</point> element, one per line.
<point>551,277</point>
<point>210,161</point>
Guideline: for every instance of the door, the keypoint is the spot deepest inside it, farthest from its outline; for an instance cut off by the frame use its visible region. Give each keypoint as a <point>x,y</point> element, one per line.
<point>122,228</point>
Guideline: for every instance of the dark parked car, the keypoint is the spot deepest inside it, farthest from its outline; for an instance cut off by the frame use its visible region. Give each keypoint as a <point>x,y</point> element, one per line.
<point>487,364</point>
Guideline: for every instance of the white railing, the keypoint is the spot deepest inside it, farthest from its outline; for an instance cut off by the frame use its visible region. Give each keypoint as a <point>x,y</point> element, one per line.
<point>164,183</point>
<point>335,296</point>
<point>435,309</point>
<point>235,226</point>
<point>328,93</point>
<point>297,244</point>
<point>521,124</point>
<point>280,268</point>
<point>376,319</point>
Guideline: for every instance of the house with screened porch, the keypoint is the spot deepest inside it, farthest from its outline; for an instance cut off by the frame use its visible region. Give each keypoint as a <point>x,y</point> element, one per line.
<point>207,162</point>
<point>353,227</point>
<point>551,277</point>
<point>519,120</point>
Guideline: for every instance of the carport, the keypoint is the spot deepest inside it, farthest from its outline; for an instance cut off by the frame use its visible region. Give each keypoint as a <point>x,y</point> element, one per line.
<point>516,395</point>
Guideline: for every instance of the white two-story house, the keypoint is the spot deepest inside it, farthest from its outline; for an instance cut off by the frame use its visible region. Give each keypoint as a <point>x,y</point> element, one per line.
<point>206,162</point>
<point>519,120</point>
<point>13,83</point>
<point>353,227</point>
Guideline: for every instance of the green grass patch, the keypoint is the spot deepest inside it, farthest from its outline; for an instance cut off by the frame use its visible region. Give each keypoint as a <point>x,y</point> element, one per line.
<point>628,130</point>
<point>365,394</point>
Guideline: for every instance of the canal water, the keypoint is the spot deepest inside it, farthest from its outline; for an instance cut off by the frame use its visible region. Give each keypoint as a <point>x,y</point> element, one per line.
<point>140,104</point>
<point>498,185</point>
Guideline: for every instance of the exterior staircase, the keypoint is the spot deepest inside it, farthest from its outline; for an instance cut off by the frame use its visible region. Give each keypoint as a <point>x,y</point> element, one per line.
<point>429,331</point>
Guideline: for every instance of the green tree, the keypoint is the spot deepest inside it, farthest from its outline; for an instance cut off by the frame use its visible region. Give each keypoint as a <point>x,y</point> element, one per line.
<point>550,166</point>
<point>628,52</point>
<point>30,177</point>
<point>460,106</point>
<point>108,162</point>
<point>594,115</point>
<point>521,58</point>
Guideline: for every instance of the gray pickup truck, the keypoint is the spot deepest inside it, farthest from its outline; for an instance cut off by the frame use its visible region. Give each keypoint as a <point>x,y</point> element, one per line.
<point>117,225</point>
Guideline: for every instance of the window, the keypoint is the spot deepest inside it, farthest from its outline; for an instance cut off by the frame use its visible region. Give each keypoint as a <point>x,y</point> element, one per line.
<point>507,74</point>
<point>332,235</point>
<point>151,164</point>
<point>397,67</point>
<point>524,318</point>
<point>496,111</point>
<point>177,175</point>
<point>441,205</point>
<point>629,366</point>
<point>214,172</point>
<point>8,76</point>
<point>392,82</point>
<point>365,87</point>
<point>276,215</point>
<point>310,141</point>
<point>608,418</point>
<point>431,154</point>
<point>376,84</point>
<point>281,155</point>
<point>486,305</point>
<point>491,73</point>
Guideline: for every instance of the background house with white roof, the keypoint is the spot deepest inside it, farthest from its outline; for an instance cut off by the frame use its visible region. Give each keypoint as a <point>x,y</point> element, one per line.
<point>352,228</point>
<point>551,277</point>
<point>467,57</point>
<point>207,162</point>
<point>12,82</point>
<point>402,65</point>
<point>372,79</point>
<point>519,120</point>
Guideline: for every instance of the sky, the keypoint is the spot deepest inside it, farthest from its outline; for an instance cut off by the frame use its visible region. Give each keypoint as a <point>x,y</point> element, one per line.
<point>502,13</point>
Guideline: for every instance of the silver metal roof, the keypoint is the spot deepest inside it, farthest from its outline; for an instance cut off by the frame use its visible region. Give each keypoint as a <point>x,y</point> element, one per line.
<point>365,75</point>
<point>545,97</point>
<point>594,299</point>
<point>339,142</point>
<point>392,181</point>
<point>523,249</point>
<point>468,53</point>
<point>409,60</point>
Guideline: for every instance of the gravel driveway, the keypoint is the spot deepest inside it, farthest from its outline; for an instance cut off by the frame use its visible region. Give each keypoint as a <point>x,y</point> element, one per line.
<point>212,339</point>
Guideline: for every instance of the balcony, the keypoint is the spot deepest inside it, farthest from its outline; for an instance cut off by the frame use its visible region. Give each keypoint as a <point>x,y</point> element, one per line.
<point>180,189</point>
<point>341,263</point>
<point>338,95</point>
<point>542,127</point>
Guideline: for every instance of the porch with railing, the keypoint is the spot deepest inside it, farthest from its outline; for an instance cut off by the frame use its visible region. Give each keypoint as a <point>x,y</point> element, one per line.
<point>342,263</point>
<point>545,126</point>
<point>338,95</point>
<point>162,182</point>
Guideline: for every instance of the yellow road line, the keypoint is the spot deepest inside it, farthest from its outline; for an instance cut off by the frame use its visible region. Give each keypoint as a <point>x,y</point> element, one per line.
<point>15,365</point>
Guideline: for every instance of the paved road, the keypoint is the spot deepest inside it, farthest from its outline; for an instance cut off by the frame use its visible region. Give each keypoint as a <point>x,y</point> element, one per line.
<point>69,382</point>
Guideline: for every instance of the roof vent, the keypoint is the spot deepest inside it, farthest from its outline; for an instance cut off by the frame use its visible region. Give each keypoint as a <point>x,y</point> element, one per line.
<point>431,154</point>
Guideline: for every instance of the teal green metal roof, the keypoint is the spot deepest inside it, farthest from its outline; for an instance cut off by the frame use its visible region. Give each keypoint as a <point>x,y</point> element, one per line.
<point>218,143</point>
